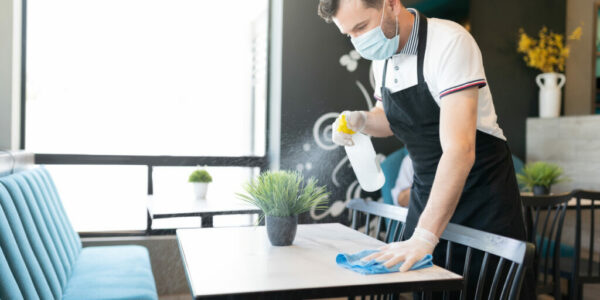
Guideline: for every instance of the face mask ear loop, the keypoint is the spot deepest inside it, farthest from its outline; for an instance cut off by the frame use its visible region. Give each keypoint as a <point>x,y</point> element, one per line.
<point>382,13</point>
<point>396,25</point>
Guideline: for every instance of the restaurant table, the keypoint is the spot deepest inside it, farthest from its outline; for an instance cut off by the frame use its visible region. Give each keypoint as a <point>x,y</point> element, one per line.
<point>161,208</point>
<point>240,263</point>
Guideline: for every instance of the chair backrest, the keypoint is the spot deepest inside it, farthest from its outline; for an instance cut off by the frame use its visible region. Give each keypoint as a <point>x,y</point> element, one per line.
<point>586,204</point>
<point>544,218</point>
<point>514,253</point>
<point>388,219</point>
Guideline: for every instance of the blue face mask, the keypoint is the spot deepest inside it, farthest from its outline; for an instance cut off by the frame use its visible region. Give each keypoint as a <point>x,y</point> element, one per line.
<point>374,45</point>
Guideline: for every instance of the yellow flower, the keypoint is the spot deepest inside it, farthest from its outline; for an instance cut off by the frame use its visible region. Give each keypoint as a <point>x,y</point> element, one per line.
<point>576,35</point>
<point>548,53</point>
<point>525,43</point>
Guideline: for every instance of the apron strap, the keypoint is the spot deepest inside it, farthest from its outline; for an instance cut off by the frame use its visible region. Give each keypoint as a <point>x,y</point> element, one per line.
<point>421,46</point>
<point>384,72</point>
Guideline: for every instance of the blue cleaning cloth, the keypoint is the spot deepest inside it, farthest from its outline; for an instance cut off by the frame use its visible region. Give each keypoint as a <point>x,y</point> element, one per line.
<point>353,262</point>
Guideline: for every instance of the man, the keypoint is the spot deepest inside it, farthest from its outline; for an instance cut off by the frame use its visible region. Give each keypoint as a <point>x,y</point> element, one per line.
<point>433,97</point>
<point>401,190</point>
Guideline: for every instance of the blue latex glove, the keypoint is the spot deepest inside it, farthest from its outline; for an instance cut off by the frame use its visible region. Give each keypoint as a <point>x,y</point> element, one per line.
<point>353,262</point>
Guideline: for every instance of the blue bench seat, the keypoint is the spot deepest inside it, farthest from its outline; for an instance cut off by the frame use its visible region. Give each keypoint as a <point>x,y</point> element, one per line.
<point>41,256</point>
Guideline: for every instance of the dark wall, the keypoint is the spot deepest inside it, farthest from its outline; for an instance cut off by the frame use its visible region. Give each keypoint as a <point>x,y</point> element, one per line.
<point>495,25</point>
<point>314,83</point>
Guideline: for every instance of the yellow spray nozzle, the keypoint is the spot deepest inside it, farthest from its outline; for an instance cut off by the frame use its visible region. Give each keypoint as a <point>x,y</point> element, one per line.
<point>343,127</point>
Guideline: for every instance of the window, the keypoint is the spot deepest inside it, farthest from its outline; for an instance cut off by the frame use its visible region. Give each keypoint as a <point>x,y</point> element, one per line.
<point>142,77</point>
<point>146,77</point>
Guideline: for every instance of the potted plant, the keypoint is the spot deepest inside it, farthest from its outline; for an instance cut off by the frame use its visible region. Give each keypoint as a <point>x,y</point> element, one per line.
<point>282,196</point>
<point>548,54</point>
<point>540,176</point>
<point>200,179</point>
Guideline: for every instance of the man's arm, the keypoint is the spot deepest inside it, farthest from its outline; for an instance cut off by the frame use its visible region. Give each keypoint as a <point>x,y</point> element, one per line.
<point>458,126</point>
<point>377,123</point>
<point>404,198</point>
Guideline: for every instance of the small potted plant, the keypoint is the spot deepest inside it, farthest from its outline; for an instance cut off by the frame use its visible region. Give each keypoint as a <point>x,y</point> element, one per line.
<point>540,176</point>
<point>282,196</point>
<point>200,179</point>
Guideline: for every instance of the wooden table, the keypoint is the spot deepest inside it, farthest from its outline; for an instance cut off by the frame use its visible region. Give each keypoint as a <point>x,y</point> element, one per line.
<point>240,263</point>
<point>160,208</point>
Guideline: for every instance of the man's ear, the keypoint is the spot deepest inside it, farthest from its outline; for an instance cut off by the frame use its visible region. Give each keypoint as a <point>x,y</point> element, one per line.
<point>394,5</point>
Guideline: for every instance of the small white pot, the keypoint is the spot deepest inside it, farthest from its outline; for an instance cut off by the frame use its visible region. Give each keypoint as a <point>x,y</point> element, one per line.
<point>550,93</point>
<point>200,189</point>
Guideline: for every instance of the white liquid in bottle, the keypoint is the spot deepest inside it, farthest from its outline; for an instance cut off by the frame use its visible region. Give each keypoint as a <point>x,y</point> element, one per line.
<point>364,162</point>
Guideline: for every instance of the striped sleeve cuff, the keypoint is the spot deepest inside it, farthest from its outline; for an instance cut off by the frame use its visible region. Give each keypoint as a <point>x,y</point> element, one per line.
<point>376,97</point>
<point>479,83</point>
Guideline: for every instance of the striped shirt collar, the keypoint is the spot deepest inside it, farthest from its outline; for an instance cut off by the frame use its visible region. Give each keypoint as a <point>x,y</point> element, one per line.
<point>410,48</point>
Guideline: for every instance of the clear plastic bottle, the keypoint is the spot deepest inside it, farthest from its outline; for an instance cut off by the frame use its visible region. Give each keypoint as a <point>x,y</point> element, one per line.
<point>363,159</point>
<point>364,162</point>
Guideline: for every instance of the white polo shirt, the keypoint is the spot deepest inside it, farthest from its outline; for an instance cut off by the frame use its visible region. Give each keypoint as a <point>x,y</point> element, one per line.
<point>452,63</point>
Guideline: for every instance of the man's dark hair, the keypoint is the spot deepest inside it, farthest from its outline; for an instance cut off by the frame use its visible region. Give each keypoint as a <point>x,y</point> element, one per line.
<point>328,8</point>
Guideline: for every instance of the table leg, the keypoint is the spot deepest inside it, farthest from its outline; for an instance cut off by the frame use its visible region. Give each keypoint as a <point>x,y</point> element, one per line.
<point>207,221</point>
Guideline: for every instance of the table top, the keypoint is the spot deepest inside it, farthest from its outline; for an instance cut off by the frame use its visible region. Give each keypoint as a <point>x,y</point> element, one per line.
<point>241,261</point>
<point>190,207</point>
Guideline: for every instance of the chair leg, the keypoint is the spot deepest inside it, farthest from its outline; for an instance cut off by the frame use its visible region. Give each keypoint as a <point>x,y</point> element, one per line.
<point>572,289</point>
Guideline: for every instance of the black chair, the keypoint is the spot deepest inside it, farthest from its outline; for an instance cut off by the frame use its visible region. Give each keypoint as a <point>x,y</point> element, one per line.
<point>389,219</point>
<point>544,217</point>
<point>583,269</point>
<point>503,285</point>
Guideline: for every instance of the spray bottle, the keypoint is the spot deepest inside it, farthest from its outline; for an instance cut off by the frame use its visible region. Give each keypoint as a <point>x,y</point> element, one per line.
<point>363,159</point>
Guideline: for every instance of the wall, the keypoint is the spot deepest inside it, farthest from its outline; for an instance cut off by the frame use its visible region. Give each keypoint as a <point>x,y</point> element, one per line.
<point>495,25</point>
<point>577,152</point>
<point>580,86</point>
<point>10,55</point>
<point>315,87</point>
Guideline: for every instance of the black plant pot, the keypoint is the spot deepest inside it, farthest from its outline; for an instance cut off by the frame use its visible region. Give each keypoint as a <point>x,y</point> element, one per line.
<point>540,190</point>
<point>281,230</point>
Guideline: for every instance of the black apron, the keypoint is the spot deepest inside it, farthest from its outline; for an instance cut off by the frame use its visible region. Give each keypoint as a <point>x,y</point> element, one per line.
<point>490,200</point>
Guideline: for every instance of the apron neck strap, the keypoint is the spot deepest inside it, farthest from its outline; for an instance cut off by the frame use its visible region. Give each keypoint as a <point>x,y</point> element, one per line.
<point>421,46</point>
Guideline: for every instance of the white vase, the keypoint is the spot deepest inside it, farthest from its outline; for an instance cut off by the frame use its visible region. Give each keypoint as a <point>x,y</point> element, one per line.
<point>200,189</point>
<point>550,93</point>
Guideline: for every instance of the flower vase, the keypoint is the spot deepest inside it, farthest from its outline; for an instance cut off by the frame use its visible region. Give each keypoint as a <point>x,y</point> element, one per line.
<point>200,189</point>
<point>550,85</point>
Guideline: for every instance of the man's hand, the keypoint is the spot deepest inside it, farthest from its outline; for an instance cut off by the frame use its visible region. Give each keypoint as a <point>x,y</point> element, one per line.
<point>355,121</point>
<point>421,243</point>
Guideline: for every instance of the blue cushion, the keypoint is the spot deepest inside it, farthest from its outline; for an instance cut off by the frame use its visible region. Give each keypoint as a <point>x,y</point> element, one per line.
<point>74,235</point>
<point>44,224</point>
<point>58,216</point>
<point>390,167</point>
<point>22,240</point>
<point>38,238</point>
<point>9,289</point>
<point>114,272</point>
<point>15,260</point>
<point>52,221</point>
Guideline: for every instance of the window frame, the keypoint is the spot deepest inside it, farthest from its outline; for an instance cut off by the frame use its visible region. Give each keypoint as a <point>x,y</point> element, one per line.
<point>150,161</point>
